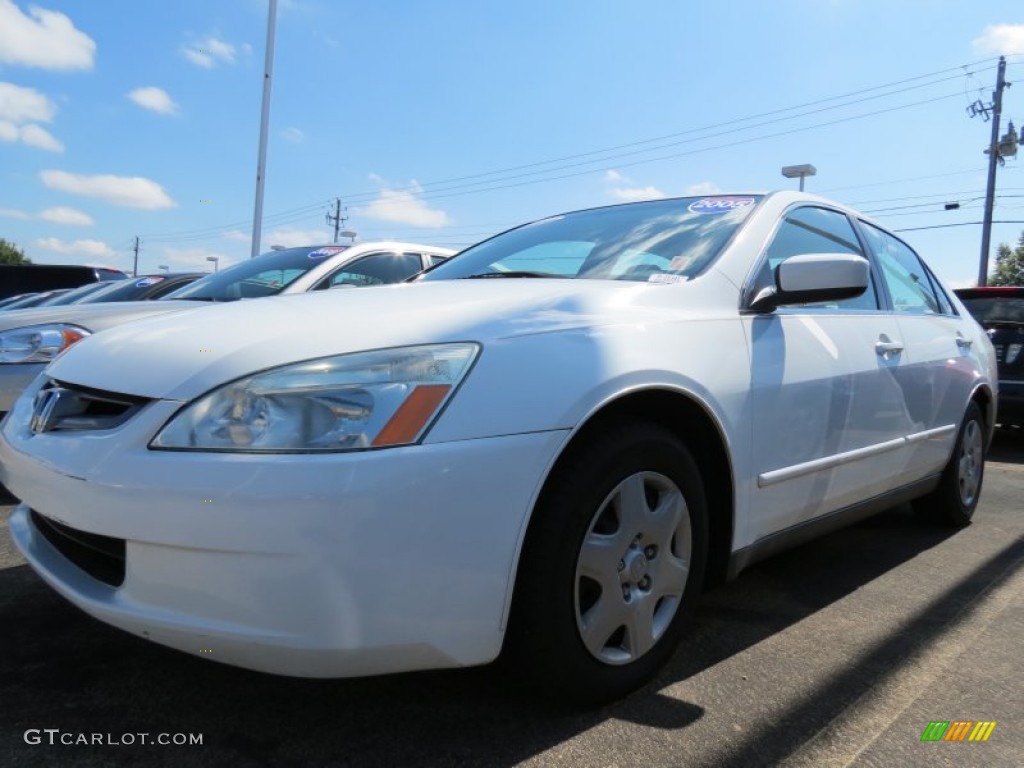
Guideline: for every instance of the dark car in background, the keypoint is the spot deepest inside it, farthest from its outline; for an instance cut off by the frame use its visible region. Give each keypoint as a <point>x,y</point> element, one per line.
<point>141,288</point>
<point>33,278</point>
<point>27,300</point>
<point>1000,311</point>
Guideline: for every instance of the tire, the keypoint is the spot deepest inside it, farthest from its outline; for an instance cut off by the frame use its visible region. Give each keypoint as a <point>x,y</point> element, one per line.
<point>611,567</point>
<point>953,502</point>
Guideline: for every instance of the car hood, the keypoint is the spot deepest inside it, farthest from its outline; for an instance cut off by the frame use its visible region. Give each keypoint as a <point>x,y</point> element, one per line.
<point>92,317</point>
<point>181,356</point>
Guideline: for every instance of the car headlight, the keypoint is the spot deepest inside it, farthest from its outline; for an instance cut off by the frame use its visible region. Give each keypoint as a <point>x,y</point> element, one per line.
<point>1012,352</point>
<point>349,402</point>
<point>38,343</point>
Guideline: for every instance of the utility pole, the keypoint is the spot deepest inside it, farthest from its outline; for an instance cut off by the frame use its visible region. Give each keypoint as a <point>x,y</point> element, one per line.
<point>261,162</point>
<point>135,269</point>
<point>337,218</point>
<point>993,158</point>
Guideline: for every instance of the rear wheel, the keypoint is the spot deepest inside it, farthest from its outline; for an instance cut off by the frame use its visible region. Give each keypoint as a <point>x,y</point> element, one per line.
<point>954,501</point>
<point>611,567</point>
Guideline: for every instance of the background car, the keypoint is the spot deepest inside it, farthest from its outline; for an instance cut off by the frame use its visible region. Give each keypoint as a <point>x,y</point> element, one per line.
<point>35,299</point>
<point>75,294</point>
<point>542,447</point>
<point>32,278</point>
<point>141,288</point>
<point>30,338</point>
<point>1000,310</point>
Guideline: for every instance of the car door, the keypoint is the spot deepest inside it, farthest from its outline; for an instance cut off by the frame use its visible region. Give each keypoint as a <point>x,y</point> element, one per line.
<point>940,370</point>
<point>827,410</point>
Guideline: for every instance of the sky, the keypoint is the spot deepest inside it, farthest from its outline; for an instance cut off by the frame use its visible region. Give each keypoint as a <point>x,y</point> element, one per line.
<point>447,122</point>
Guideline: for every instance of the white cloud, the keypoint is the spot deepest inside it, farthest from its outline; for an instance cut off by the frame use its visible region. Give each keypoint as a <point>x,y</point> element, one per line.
<point>94,248</point>
<point>154,99</point>
<point>24,105</point>
<point>127,191</point>
<point>293,238</point>
<point>195,259</point>
<point>238,236</point>
<point>209,53</point>
<point>293,135</point>
<point>703,188</point>
<point>20,110</point>
<point>35,136</point>
<point>42,38</point>
<point>1000,39</point>
<point>630,194</point>
<point>634,194</point>
<point>63,215</point>
<point>13,213</point>
<point>402,206</point>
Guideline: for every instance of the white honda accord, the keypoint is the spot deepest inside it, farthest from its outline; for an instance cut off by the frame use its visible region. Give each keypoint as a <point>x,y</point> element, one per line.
<point>542,447</point>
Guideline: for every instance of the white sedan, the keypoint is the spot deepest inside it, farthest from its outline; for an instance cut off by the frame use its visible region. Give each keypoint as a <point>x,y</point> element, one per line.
<point>31,338</point>
<point>544,446</point>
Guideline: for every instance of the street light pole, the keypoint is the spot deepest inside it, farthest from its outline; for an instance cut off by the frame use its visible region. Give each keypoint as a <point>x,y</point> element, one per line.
<point>993,158</point>
<point>800,172</point>
<point>261,162</point>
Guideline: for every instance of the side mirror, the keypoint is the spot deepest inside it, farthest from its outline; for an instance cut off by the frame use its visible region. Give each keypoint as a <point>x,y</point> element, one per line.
<point>814,277</point>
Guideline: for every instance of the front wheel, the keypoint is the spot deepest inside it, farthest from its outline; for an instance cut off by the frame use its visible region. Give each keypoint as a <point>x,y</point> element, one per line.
<point>954,501</point>
<point>611,566</point>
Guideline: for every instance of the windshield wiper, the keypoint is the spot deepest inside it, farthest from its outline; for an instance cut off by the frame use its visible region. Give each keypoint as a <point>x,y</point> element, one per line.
<point>514,273</point>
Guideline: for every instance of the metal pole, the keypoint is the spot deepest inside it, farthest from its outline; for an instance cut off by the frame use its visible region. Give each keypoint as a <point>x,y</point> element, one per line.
<point>135,269</point>
<point>261,162</point>
<point>993,158</point>
<point>801,182</point>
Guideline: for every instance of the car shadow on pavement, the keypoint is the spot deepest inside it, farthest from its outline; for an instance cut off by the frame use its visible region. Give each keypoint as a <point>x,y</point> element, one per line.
<point>61,669</point>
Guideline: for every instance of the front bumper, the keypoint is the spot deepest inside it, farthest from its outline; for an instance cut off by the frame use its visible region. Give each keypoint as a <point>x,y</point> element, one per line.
<point>309,565</point>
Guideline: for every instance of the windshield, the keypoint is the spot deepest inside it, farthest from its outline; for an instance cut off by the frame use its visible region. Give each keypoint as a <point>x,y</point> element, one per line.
<point>996,309</point>
<point>265,275</point>
<point>658,241</point>
<point>77,293</point>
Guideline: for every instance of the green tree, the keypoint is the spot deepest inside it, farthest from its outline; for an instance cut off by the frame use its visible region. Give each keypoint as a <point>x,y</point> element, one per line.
<point>12,254</point>
<point>1009,264</point>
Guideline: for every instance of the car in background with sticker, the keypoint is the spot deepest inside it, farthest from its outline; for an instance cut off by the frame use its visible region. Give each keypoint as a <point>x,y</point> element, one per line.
<point>31,338</point>
<point>1000,311</point>
<point>141,288</point>
<point>542,447</point>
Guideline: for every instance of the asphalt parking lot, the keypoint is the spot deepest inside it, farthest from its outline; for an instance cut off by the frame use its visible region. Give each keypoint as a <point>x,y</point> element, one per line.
<point>837,653</point>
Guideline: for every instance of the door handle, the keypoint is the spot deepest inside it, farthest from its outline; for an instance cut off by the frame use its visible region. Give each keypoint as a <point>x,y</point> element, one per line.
<point>962,341</point>
<point>885,347</point>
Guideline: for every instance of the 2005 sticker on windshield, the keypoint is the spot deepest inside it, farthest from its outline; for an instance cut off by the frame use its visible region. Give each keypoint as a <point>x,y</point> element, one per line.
<point>720,204</point>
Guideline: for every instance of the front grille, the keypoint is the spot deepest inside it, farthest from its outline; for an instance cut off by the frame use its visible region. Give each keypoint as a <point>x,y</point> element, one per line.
<point>102,557</point>
<point>60,407</point>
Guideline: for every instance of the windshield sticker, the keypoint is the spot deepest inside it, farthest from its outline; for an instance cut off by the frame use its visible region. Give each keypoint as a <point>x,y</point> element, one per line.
<point>721,204</point>
<point>679,263</point>
<point>329,250</point>
<point>666,278</point>
<point>148,281</point>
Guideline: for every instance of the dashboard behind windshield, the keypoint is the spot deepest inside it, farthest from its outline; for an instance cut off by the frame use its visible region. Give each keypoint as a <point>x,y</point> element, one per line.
<point>658,241</point>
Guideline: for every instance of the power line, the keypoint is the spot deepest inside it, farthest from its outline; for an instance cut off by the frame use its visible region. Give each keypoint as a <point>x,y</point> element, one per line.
<point>452,187</point>
<point>958,224</point>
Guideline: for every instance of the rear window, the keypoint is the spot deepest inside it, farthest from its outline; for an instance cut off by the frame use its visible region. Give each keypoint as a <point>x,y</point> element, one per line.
<point>996,309</point>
